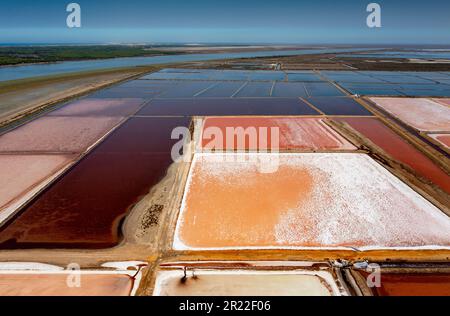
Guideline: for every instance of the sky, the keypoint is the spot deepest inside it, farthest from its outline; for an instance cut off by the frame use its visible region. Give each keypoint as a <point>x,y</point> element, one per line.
<point>227,21</point>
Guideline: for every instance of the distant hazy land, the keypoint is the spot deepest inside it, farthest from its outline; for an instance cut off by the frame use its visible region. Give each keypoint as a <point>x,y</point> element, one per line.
<point>30,54</point>
<point>15,55</point>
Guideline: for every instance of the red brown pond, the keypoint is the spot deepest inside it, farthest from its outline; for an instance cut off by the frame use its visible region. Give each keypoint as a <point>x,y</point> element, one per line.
<point>413,284</point>
<point>84,208</point>
<point>399,149</point>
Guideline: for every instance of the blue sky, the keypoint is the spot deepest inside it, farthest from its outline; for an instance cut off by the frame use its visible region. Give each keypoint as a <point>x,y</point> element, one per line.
<point>228,21</point>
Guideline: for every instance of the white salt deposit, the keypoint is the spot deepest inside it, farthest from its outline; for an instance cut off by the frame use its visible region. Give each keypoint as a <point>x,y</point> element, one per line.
<point>422,114</point>
<point>355,203</point>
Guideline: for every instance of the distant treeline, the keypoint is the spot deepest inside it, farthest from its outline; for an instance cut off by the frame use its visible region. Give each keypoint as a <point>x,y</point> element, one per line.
<point>42,54</point>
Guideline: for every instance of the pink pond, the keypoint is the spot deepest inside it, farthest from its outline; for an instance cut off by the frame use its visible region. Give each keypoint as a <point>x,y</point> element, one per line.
<point>444,139</point>
<point>293,133</point>
<point>443,101</point>
<point>57,134</point>
<point>421,114</point>
<point>15,284</point>
<point>22,173</point>
<point>100,107</point>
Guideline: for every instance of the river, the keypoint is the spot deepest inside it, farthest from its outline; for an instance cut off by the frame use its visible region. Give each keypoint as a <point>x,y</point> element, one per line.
<point>36,70</point>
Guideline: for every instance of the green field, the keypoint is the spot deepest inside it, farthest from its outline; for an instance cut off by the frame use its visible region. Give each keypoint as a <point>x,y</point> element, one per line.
<point>42,54</point>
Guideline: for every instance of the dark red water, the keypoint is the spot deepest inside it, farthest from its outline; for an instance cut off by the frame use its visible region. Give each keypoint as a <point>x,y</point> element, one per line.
<point>85,207</point>
<point>412,284</point>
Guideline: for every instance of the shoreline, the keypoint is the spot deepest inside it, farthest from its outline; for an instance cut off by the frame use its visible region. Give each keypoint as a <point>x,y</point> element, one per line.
<point>16,108</point>
<point>176,50</point>
<point>80,60</point>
